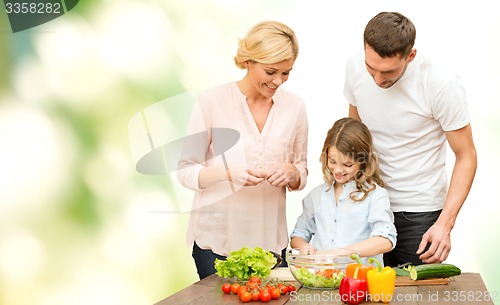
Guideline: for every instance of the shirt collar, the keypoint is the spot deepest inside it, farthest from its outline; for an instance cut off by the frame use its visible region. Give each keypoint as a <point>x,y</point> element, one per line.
<point>351,184</point>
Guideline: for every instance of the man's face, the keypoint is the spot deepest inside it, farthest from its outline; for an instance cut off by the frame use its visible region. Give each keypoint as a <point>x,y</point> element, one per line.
<point>386,71</point>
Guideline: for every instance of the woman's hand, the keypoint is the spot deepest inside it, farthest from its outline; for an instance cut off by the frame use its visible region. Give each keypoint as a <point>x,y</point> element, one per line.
<point>246,177</point>
<point>240,176</point>
<point>282,174</point>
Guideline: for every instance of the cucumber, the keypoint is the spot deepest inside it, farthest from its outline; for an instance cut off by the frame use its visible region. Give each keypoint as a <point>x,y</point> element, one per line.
<point>401,272</point>
<point>427,271</point>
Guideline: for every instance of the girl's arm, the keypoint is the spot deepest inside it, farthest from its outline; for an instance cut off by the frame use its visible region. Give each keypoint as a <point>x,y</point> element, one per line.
<point>383,235</point>
<point>372,246</point>
<point>305,227</point>
<point>381,220</point>
<point>301,244</point>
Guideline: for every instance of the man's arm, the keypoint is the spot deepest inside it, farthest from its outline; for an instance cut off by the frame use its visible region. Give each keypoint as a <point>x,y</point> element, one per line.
<point>353,112</point>
<point>438,235</point>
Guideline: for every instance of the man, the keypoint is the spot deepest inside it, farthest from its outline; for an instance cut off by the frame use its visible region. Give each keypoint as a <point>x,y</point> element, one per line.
<point>412,107</point>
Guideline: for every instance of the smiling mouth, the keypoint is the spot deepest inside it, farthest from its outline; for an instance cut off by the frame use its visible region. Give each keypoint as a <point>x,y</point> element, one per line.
<point>271,87</point>
<point>339,177</point>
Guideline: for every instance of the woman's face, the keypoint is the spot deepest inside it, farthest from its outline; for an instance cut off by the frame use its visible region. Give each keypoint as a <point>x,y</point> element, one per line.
<point>266,78</point>
<point>343,167</point>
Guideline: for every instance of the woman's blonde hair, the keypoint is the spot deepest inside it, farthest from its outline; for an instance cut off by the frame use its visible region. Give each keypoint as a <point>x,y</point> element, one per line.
<point>268,42</point>
<point>352,138</point>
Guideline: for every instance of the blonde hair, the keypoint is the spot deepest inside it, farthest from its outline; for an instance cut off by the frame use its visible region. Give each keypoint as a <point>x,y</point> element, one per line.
<point>352,138</point>
<point>268,42</point>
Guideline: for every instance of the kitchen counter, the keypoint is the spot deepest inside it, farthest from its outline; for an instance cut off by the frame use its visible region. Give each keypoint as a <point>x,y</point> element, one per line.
<point>467,288</point>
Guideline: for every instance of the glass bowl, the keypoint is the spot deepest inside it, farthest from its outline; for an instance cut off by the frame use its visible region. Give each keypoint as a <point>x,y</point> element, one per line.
<point>316,271</point>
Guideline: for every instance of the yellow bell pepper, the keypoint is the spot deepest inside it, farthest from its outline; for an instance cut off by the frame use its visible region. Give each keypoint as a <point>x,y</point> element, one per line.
<point>381,282</point>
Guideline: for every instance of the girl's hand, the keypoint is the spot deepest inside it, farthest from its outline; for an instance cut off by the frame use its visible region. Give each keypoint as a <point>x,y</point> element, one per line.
<point>308,249</point>
<point>282,174</point>
<point>339,251</point>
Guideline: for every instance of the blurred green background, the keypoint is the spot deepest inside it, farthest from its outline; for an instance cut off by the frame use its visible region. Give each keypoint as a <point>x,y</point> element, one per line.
<point>78,223</point>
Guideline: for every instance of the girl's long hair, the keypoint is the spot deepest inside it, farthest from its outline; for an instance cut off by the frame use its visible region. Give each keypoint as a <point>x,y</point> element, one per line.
<point>352,138</point>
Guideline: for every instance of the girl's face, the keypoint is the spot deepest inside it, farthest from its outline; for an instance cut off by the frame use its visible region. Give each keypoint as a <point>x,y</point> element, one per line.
<point>266,78</point>
<point>343,167</point>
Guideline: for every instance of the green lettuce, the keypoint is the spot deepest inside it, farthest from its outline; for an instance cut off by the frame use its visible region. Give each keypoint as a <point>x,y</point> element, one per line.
<point>311,280</point>
<point>246,263</point>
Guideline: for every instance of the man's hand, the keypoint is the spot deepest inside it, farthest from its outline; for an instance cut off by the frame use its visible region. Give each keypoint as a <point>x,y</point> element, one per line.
<point>440,244</point>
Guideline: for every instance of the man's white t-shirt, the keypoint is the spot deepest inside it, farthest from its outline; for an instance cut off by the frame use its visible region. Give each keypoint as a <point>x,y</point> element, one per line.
<point>408,123</point>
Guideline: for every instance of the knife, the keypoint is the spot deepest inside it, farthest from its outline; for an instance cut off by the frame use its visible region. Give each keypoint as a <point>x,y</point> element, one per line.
<point>401,266</point>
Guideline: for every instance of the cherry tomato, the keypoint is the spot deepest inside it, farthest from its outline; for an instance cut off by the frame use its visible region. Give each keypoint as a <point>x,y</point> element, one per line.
<point>254,279</point>
<point>269,287</point>
<point>264,296</point>
<point>242,289</point>
<point>226,288</point>
<point>235,288</point>
<point>255,296</point>
<point>253,284</point>
<point>283,288</point>
<point>328,273</point>
<point>245,296</point>
<point>291,288</point>
<point>275,293</point>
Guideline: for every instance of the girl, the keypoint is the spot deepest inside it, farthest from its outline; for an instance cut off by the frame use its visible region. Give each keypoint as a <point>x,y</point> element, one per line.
<point>351,209</point>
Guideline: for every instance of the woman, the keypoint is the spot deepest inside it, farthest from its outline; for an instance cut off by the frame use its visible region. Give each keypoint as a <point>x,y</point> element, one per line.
<point>240,189</point>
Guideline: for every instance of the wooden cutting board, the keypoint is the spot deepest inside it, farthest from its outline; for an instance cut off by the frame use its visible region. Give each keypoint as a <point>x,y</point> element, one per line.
<point>407,281</point>
<point>283,274</point>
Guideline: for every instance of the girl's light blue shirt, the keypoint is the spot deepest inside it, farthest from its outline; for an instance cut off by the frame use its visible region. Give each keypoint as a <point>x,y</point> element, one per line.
<point>339,225</point>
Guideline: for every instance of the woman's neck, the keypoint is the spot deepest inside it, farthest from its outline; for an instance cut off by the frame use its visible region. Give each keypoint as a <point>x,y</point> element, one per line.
<point>252,95</point>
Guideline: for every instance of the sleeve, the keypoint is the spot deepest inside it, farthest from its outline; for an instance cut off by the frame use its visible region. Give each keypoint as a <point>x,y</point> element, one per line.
<point>305,226</point>
<point>450,106</point>
<point>381,218</point>
<point>195,147</point>
<point>347,82</point>
<point>300,147</point>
